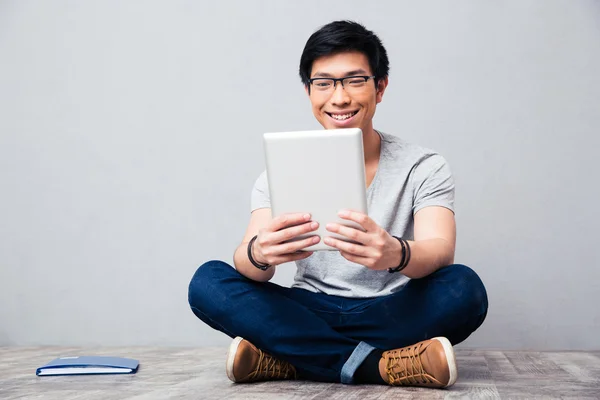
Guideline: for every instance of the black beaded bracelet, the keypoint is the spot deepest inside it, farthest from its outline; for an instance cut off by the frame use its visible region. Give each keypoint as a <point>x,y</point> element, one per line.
<point>262,267</point>
<point>405,256</point>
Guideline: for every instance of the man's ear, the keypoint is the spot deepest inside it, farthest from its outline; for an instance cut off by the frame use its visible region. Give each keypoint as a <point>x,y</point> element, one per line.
<point>381,86</point>
<point>307,90</point>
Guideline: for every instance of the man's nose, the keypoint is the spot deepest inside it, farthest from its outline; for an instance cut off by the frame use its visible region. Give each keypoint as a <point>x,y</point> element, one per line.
<point>339,96</point>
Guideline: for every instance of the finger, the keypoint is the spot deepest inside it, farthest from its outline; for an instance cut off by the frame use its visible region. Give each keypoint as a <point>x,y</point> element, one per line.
<point>294,257</point>
<point>354,249</point>
<point>292,247</point>
<point>292,232</point>
<point>362,219</point>
<point>349,232</point>
<point>364,261</point>
<point>286,220</point>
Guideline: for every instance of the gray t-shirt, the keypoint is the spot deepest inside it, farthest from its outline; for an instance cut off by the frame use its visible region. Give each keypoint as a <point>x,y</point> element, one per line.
<point>408,178</point>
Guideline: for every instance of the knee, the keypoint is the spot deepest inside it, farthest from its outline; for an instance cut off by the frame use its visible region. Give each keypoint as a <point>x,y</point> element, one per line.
<point>468,286</point>
<point>206,280</point>
<point>210,270</point>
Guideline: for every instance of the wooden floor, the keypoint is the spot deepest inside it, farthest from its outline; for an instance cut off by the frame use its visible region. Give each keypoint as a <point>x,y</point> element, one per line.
<point>199,373</point>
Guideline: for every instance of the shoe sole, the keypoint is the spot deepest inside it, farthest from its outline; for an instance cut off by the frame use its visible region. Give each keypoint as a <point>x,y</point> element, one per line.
<point>449,350</point>
<point>231,357</point>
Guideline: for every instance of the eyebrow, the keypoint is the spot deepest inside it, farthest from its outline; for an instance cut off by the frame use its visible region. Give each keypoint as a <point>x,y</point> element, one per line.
<point>349,73</point>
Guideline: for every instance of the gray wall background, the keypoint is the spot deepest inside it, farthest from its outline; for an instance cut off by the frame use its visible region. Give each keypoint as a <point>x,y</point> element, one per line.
<point>130,137</point>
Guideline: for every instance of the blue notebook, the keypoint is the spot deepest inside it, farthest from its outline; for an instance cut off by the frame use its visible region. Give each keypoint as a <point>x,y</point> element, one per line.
<point>89,365</point>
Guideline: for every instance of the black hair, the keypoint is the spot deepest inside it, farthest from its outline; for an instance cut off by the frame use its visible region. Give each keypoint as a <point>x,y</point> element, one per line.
<point>342,36</point>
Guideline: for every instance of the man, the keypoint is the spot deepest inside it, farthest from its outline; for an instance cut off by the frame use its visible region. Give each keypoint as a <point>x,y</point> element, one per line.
<point>385,309</point>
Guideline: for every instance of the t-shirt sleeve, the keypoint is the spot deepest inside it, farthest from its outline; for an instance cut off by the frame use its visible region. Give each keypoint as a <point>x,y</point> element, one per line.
<point>433,183</point>
<point>260,193</point>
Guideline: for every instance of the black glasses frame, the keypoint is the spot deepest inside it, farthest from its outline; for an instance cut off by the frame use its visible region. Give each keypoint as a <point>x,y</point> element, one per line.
<point>341,80</point>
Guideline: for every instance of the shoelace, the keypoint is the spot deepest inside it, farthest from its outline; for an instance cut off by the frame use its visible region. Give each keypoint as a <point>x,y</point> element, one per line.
<point>408,359</point>
<point>270,368</point>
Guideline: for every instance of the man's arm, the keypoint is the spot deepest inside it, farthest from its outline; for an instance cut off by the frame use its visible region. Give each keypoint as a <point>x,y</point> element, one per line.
<point>434,244</point>
<point>259,219</point>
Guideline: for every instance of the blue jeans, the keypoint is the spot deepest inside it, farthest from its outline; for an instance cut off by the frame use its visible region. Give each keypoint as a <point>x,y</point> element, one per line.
<point>327,337</point>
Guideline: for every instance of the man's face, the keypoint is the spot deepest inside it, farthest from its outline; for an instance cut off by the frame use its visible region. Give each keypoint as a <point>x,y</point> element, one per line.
<point>345,107</point>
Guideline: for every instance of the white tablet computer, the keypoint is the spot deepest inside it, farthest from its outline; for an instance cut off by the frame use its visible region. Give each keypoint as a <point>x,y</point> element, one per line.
<point>318,172</point>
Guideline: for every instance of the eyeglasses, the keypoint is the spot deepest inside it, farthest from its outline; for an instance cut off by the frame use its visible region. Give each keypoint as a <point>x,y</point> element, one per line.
<point>352,84</point>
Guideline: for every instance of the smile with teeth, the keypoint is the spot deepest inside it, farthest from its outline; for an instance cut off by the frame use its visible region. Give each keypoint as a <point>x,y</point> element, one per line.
<point>342,117</point>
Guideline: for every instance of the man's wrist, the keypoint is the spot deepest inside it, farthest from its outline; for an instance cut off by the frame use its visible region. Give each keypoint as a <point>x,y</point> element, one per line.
<point>404,255</point>
<point>401,253</point>
<point>256,263</point>
<point>257,259</point>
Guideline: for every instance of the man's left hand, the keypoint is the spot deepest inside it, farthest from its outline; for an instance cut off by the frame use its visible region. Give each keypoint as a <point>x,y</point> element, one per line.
<point>375,248</point>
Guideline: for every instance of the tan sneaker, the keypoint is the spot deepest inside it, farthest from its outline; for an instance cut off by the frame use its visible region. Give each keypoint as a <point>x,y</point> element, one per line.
<point>247,363</point>
<point>429,363</point>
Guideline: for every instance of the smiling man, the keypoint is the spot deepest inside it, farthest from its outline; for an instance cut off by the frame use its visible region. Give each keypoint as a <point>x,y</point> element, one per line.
<point>385,309</point>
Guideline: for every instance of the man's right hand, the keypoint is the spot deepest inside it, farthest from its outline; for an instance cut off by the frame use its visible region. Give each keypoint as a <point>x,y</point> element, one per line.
<point>268,248</point>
